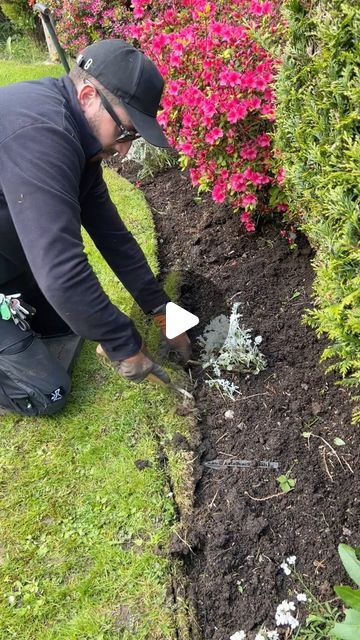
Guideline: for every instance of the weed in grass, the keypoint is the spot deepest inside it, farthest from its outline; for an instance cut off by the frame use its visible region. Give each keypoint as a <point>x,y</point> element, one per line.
<point>22,49</point>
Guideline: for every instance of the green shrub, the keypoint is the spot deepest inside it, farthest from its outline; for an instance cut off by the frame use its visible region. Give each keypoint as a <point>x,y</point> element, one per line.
<point>6,27</point>
<point>20,13</point>
<point>349,629</point>
<point>318,128</point>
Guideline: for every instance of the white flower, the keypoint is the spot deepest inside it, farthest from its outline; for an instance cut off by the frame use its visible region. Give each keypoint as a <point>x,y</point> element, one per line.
<point>261,635</point>
<point>229,414</point>
<point>286,569</point>
<point>283,615</point>
<point>301,597</point>
<point>239,635</point>
<point>273,635</point>
<point>291,560</point>
<point>258,340</point>
<point>293,622</point>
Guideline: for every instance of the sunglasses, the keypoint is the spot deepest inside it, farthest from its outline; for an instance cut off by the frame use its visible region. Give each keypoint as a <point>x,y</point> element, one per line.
<point>125,135</point>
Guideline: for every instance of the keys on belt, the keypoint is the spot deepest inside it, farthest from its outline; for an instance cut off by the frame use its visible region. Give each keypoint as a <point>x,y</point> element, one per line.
<point>12,307</point>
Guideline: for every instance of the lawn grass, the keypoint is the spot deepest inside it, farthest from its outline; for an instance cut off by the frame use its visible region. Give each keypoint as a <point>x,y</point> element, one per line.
<point>84,531</point>
<point>20,49</point>
<point>11,71</point>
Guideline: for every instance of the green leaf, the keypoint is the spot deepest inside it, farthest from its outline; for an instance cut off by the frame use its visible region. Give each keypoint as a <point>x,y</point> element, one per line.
<point>339,442</point>
<point>350,562</point>
<point>350,628</point>
<point>350,596</point>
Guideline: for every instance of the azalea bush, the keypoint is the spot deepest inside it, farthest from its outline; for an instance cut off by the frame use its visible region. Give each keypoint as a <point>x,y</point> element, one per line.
<point>218,105</point>
<point>81,22</point>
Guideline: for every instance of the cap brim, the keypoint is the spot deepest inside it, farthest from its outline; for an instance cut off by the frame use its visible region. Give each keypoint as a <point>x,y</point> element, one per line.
<point>147,126</point>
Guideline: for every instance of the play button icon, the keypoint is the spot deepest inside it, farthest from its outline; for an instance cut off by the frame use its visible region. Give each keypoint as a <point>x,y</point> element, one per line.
<point>178,320</point>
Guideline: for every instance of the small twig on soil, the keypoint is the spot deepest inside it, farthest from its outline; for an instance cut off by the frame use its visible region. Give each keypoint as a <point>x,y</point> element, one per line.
<point>274,495</point>
<point>221,437</point>
<point>348,465</point>
<point>235,294</point>
<point>214,498</point>
<point>221,553</point>
<point>314,435</point>
<point>253,396</point>
<point>230,455</point>
<point>326,467</point>
<point>184,542</point>
<point>326,522</point>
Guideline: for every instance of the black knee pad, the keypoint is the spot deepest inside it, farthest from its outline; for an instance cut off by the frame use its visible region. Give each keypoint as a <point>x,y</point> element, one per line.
<point>20,345</point>
<point>32,381</point>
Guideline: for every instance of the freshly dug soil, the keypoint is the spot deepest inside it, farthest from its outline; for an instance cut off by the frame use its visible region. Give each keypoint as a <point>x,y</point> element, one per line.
<point>242,529</point>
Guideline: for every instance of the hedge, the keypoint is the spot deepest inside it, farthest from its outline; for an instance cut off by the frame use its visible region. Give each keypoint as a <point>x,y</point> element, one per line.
<point>20,13</point>
<point>318,126</point>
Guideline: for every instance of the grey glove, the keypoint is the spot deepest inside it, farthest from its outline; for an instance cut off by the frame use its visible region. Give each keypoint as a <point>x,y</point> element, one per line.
<point>138,367</point>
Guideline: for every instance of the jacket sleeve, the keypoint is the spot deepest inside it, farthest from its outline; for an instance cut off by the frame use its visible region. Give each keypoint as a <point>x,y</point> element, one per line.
<point>40,172</point>
<point>118,246</point>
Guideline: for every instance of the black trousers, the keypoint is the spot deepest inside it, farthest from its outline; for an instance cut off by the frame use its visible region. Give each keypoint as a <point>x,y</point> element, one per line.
<point>32,381</point>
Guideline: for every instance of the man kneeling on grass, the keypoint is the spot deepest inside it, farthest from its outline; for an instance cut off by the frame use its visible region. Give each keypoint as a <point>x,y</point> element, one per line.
<point>53,135</point>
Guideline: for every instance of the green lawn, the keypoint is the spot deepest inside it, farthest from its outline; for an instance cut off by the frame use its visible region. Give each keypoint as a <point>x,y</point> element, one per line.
<point>84,532</point>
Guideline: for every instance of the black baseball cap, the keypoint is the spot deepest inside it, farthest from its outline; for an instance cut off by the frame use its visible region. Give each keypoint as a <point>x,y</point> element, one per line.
<point>133,78</point>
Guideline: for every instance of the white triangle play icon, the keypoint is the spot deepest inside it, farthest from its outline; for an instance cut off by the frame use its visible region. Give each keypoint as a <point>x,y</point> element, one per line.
<point>178,320</point>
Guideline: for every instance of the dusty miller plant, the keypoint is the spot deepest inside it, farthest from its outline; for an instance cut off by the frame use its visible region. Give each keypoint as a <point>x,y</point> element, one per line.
<point>151,159</point>
<point>228,346</point>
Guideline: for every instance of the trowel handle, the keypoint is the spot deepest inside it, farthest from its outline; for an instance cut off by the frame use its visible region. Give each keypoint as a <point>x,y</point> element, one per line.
<point>158,375</point>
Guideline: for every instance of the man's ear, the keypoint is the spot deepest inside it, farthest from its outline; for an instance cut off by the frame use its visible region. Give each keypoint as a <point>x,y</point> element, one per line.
<point>86,95</point>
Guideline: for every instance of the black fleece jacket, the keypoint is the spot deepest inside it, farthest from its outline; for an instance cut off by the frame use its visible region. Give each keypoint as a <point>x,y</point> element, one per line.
<point>49,188</point>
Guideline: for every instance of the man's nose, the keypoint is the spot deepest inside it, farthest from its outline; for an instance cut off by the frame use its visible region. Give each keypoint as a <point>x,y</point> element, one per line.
<point>123,147</point>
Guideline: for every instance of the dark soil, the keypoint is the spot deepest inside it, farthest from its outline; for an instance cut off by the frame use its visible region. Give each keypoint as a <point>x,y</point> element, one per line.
<point>238,541</point>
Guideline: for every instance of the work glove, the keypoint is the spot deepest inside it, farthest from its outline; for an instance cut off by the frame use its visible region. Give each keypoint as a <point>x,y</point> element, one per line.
<point>138,367</point>
<point>181,344</point>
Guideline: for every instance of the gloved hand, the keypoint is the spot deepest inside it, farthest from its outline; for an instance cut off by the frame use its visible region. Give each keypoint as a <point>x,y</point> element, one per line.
<point>181,344</point>
<point>138,367</point>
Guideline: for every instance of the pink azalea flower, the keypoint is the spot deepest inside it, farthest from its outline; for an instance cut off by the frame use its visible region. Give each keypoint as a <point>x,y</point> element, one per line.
<point>186,148</point>
<point>263,140</point>
<point>261,8</point>
<point>237,112</point>
<point>163,118</point>
<point>219,192</point>
<point>254,103</point>
<point>237,182</point>
<point>248,153</point>
<point>248,199</point>
<point>194,177</point>
<point>214,135</point>
<point>247,222</point>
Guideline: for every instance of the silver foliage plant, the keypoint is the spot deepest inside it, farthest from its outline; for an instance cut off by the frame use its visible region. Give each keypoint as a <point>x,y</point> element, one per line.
<point>228,346</point>
<point>151,159</point>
